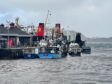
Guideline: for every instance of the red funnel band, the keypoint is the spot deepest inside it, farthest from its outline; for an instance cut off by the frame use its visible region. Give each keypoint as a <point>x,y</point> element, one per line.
<point>40,30</point>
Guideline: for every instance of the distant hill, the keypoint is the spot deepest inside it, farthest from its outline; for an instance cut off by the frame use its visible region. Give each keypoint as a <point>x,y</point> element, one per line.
<point>99,39</point>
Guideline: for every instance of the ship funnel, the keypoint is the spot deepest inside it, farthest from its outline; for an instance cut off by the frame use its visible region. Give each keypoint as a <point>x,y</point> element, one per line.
<point>40,30</point>
<point>57,28</point>
<point>78,40</point>
<point>78,37</point>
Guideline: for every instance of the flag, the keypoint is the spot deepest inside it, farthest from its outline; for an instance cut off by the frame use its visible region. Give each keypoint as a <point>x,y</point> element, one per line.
<point>10,42</point>
<point>40,30</point>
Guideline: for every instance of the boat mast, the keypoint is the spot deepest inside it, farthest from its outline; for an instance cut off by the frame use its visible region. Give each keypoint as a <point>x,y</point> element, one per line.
<point>48,13</point>
<point>46,20</point>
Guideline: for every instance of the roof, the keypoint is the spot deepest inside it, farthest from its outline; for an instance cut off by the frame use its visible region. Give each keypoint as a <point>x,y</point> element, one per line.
<point>13,31</point>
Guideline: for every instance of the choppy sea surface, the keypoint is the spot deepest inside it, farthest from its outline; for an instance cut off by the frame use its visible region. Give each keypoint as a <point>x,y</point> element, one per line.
<point>94,68</point>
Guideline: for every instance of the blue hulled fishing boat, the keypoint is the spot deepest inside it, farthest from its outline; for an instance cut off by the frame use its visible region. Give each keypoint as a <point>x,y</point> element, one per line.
<point>49,52</point>
<point>30,53</point>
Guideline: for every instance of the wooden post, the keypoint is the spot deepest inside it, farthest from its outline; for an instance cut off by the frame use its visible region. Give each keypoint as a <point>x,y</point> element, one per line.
<point>17,42</point>
<point>31,41</point>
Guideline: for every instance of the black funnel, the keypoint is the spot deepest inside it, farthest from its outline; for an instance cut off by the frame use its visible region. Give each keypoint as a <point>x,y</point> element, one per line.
<point>78,40</point>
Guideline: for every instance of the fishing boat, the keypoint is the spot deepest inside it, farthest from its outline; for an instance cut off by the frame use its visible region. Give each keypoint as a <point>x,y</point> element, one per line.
<point>74,49</point>
<point>30,53</point>
<point>86,49</point>
<point>83,45</point>
<point>46,50</point>
<point>49,52</point>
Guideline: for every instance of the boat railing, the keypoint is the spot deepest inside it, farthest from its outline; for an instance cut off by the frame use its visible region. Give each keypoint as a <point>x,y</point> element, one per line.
<point>28,50</point>
<point>49,50</point>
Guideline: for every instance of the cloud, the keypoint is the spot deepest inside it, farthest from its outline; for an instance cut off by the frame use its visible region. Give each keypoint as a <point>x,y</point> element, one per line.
<point>91,17</point>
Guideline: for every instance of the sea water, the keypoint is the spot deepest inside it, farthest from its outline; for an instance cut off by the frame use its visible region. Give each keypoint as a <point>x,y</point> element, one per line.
<point>94,68</point>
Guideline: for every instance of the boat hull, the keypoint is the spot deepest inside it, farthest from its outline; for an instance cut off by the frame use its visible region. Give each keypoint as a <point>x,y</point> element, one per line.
<point>86,50</point>
<point>74,54</point>
<point>49,55</point>
<point>30,56</point>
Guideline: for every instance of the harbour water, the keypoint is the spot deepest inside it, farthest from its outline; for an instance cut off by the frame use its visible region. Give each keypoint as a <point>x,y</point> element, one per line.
<point>95,68</point>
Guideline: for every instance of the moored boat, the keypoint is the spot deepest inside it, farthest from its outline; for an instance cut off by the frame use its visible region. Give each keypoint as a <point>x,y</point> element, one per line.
<point>74,49</point>
<point>30,53</point>
<point>83,45</point>
<point>45,50</point>
<point>86,50</point>
<point>49,53</point>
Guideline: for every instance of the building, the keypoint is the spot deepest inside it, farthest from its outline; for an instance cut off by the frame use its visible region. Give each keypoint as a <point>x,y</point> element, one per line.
<point>15,36</point>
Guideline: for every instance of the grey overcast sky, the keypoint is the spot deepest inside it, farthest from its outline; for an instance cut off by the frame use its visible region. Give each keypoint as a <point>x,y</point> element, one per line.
<point>93,18</point>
